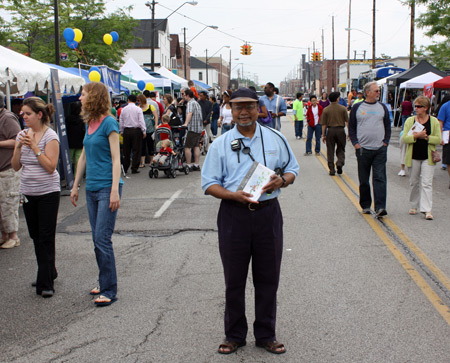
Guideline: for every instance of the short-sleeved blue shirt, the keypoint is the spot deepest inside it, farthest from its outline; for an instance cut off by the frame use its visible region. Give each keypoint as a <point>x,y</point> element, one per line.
<point>223,167</point>
<point>444,116</point>
<point>98,155</point>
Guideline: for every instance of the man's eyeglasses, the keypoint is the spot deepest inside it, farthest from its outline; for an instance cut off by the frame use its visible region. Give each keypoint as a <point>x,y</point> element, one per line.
<point>376,91</point>
<point>247,107</point>
<point>419,106</point>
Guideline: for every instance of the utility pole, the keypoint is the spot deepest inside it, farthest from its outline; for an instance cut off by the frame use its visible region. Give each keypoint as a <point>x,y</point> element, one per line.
<point>411,41</point>
<point>56,11</point>
<point>309,69</point>
<point>206,59</point>
<point>334,65</point>
<point>349,88</point>
<point>373,34</point>
<point>152,43</point>
<point>185,59</point>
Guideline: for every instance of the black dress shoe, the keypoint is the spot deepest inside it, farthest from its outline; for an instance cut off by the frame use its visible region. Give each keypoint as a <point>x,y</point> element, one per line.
<point>339,169</point>
<point>135,171</point>
<point>33,284</point>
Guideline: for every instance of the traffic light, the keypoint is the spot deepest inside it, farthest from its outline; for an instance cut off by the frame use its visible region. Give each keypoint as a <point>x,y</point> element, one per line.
<point>316,57</point>
<point>246,49</point>
<point>319,56</point>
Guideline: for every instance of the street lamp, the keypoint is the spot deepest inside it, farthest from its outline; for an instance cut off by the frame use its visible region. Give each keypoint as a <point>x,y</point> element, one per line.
<point>224,46</point>
<point>151,5</point>
<point>373,43</point>
<point>185,44</point>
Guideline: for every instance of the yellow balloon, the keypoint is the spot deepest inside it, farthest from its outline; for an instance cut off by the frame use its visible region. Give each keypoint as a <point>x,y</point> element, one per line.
<point>94,76</point>
<point>149,87</point>
<point>78,35</point>
<point>108,39</point>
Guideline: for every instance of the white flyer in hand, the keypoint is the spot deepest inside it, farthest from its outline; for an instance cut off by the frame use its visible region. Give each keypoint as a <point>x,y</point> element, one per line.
<point>417,127</point>
<point>255,179</point>
<point>445,136</point>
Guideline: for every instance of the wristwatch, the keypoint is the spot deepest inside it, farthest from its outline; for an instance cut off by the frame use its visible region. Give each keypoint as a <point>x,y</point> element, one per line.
<point>39,153</point>
<point>284,180</point>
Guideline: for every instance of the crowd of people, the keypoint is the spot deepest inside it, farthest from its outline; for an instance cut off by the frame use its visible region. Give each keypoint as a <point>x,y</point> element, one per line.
<point>249,125</point>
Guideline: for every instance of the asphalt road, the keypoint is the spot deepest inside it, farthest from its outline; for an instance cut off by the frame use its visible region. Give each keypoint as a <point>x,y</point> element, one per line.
<point>346,293</point>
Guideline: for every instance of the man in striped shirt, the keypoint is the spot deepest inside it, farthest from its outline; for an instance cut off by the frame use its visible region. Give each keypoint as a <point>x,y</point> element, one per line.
<point>194,123</point>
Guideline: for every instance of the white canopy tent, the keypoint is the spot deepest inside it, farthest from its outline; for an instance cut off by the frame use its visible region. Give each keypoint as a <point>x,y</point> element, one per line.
<point>163,71</point>
<point>20,74</point>
<point>133,70</point>
<point>419,82</point>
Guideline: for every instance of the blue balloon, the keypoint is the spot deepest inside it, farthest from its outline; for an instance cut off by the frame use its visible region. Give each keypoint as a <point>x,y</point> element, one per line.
<point>69,34</point>
<point>94,69</point>
<point>115,36</point>
<point>141,85</point>
<point>72,44</point>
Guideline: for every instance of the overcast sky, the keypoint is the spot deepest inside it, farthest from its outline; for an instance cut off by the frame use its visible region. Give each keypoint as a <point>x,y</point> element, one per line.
<point>281,31</point>
<point>293,25</point>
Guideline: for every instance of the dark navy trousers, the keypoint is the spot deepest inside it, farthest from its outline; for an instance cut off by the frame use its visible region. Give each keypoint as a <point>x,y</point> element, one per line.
<point>255,236</point>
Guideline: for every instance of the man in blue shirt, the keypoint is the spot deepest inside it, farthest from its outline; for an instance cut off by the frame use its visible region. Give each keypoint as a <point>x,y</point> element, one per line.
<point>249,230</point>
<point>444,120</point>
<point>275,104</point>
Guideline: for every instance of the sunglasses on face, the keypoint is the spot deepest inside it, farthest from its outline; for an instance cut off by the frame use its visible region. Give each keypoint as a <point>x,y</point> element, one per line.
<point>419,106</point>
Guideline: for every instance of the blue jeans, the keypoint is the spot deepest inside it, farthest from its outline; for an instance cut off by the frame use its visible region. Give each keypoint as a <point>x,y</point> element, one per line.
<point>102,222</point>
<point>225,128</point>
<point>298,128</point>
<point>318,131</point>
<point>214,127</point>
<point>375,161</point>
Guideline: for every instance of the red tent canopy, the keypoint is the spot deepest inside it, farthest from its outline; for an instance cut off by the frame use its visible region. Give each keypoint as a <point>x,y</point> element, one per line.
<point>443,83</point>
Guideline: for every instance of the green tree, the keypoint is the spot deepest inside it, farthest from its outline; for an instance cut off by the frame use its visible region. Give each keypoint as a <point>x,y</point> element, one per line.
<point>33,30</point>
<point>436,21</point>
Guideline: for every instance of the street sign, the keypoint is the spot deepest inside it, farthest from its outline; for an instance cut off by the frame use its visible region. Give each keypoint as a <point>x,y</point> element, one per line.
<point>63,56</point>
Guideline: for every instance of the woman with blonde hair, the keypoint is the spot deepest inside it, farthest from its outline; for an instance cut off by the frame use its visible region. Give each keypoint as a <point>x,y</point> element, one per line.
<point>100,159</point>
<point>36,152</point>
<point>421,142</point>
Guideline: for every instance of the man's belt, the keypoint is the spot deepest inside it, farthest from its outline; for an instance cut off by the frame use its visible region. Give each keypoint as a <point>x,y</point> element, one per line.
<point>253,206</point>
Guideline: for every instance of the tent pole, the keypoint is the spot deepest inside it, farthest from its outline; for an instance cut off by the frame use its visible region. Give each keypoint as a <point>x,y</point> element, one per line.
<point>8,92</point>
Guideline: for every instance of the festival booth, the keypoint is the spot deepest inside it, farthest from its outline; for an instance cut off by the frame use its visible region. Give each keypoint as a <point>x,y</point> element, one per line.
<point>133,70</point>
<point>20,74</point>
<point>444,83</point>
<point>163,71</point>
<point>173,85</point>
<point>419,69</point>
<point>420,81</point>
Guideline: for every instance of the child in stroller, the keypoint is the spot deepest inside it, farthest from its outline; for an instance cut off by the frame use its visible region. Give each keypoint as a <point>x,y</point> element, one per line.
<point>170,152</point>
<point>164,152</point>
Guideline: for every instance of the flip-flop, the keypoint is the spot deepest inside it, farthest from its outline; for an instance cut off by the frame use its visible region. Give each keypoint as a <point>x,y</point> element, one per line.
<point>95,291</point>
<point>104,300</point>
<point>272,347</point>
<point>232,346</point>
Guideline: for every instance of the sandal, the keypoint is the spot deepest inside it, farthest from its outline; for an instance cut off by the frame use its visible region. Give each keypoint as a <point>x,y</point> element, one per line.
<point>230,347</point>
<point>428,216</point>
<point>413,211</point>
<point>104,300</point>
<point>95,291</point>
<point>142,165</point>
<point>272,347</point>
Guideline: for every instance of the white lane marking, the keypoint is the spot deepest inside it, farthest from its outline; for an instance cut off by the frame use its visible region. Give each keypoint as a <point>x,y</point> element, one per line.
<point>167,204</point>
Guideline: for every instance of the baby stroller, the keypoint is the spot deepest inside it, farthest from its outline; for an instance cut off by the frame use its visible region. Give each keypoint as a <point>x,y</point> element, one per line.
<point>173,162</point>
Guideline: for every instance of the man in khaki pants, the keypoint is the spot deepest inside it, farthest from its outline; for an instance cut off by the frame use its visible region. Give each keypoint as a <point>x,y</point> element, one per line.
<point>9,179</point>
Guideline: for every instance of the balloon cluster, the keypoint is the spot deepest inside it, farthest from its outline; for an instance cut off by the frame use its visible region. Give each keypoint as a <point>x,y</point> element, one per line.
<point>72,37</point>
<point>94,74</point>
<point>147,86</point>
<point>111,37</point>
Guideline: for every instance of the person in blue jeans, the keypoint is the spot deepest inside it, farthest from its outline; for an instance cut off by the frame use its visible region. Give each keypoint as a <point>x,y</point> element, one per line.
<point>369,128</point>
<point>100,159</point>
<point>314,127</point>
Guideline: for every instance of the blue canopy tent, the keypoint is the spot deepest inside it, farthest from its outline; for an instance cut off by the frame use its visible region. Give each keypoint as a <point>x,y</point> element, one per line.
<point>202,86</point>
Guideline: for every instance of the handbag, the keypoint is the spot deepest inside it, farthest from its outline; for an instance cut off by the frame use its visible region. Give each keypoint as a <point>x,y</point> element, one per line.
<point>435,156</point>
